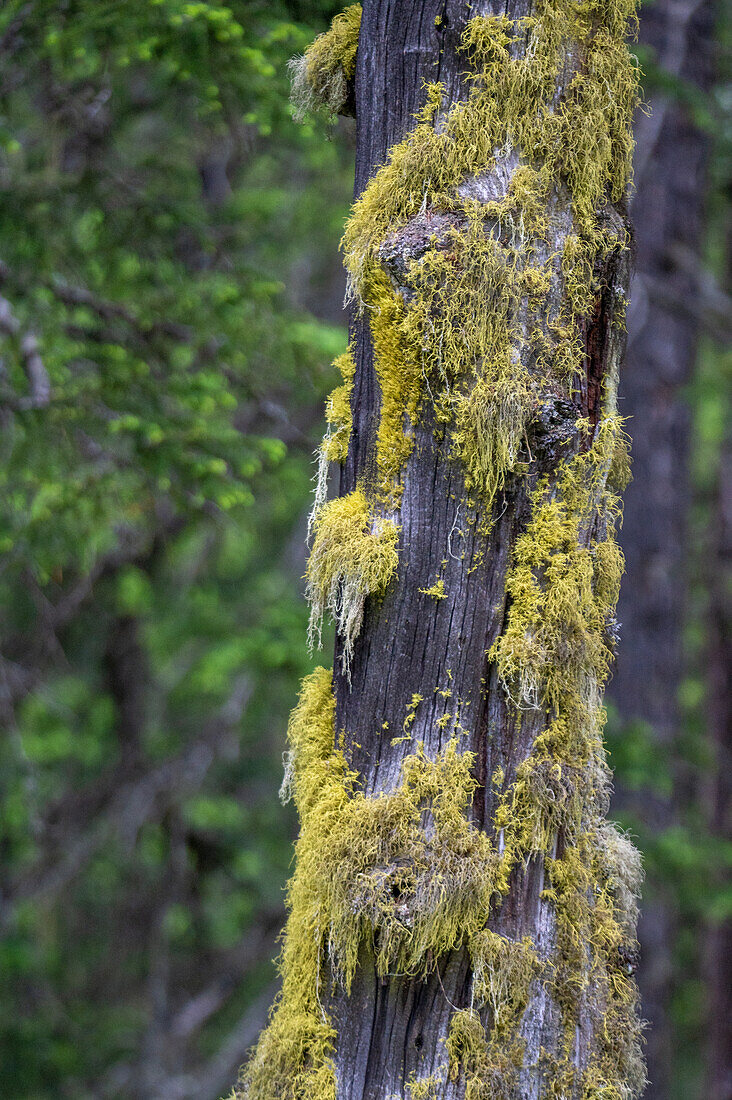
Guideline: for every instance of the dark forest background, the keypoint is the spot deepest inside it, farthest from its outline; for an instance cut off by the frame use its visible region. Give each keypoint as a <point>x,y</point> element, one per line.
<point>170,302</point>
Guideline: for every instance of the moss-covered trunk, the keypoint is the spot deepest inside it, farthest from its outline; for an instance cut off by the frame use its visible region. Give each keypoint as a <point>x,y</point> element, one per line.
<point>462,916</point>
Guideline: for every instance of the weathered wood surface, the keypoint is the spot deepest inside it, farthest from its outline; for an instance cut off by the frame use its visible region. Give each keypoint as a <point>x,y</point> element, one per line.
<point>410,643</point>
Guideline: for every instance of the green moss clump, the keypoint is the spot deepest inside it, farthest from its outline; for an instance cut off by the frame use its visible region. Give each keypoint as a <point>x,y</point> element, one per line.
<point>321,78</point>
<point>354,555</point>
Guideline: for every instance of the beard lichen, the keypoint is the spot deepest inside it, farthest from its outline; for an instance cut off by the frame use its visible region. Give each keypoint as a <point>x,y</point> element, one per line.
<point>294,1057</point>
<point>334,446</point>
<point>322,77</point>
<point>477,253</point>
<point>354,555</point>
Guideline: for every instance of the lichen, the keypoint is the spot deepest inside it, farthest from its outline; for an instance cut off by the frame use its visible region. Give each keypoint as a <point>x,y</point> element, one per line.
<point>583,141</point>
<point>334,447</point>
<point>436,591</point>
<point>477,254</point>
<point>293,1059</point>
<point>399,375</point>
<point>406,869</point>
<point>564,585</point>
<point>553,657</point>
<point>338,411</point>
<point>353,556</point>
<point>468,320</point>
<point>322,76</point>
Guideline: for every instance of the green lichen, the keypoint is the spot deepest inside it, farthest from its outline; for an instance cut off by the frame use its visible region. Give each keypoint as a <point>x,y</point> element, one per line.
<point>553,657</point>
<point>293,1059</point>
<point>563,585</point>
<point>436,591</point>
<point>399,375</point>
<point>334,447</point>
<point>472,324</point>
<point>353,556</point>
<point>489,1067</point>
<point>583,141</point>
<point>406,870</point>
<point>321,77</point>
<point>477,254</point>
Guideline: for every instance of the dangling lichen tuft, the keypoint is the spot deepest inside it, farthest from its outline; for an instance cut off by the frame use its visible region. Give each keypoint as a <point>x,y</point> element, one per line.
<point>293,1059</point>
<point>334,447</point>
<point>354,555</point>
<point>322,76</point>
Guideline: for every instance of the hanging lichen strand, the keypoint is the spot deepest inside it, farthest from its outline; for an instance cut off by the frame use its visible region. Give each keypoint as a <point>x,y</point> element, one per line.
<point>477,253</point>
<point>321,79</point>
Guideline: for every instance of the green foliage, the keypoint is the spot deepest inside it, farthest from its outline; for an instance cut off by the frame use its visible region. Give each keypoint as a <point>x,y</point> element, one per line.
<point>156,199</point>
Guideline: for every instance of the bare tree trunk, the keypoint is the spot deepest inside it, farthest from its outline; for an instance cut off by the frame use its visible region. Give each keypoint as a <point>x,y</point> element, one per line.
<point>461,915</point>
<point>668,208</point>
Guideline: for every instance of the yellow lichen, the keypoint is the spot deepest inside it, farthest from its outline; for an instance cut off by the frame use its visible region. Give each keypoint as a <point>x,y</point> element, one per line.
<point>479,322</point>
<point>554,655</point>
<point>354,555</point>
<point>398,373</point>
<point>321,78</point>
<point>563,586</point>
<point>436,591</point>
<point>584,141</point>
<point>293,1059</point>
<point>338,411</point>
<point>334,447</point>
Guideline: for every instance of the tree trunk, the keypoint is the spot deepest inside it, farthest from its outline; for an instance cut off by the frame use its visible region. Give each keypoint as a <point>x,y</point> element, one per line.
<point>461,914</point>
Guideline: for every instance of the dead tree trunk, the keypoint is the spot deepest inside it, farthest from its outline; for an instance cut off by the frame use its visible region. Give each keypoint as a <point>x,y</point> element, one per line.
<point>461,914</point>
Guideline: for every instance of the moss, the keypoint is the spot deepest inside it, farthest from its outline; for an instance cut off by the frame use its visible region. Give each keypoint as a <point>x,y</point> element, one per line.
<point>471,324</point>
<point>293,1059</point>
<point>334,447</point>
<point>321,78</point>
<point>354,555</point>
<point>476,252</point>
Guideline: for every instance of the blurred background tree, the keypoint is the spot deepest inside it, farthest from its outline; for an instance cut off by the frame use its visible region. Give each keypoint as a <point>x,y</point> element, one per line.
<point>170,299</point>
